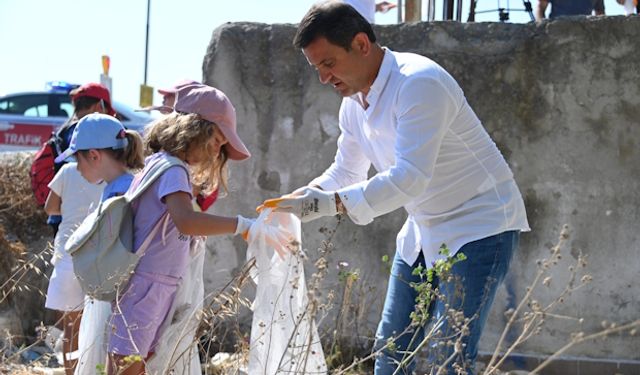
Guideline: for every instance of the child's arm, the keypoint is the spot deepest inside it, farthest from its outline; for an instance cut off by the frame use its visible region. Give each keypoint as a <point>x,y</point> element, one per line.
<point>53,204</point>
<point>194,223</point>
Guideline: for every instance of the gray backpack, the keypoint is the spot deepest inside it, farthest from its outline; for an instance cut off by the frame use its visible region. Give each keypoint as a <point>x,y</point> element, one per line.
<point>101,248</point>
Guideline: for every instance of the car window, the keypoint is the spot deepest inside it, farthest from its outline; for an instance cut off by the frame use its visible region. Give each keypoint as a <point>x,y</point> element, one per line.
<point>28,105</point>
<point>60,105</point>
<point>4,106</point>
<point>8,106</point>
<point>41,110</point>
<point>67,108</point>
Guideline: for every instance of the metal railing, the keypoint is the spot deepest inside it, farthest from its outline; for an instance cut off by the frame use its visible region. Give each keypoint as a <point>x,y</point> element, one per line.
<point>411,10</point>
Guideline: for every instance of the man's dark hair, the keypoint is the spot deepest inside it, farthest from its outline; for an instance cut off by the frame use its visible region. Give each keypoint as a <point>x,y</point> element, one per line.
<point>84,102</point>
<point>334,20</point>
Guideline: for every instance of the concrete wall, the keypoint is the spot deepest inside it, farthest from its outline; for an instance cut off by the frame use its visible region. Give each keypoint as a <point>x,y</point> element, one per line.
<point>561,100</point>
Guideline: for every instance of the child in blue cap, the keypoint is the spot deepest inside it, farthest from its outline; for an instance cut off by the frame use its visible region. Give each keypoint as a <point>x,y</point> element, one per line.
<point>104,151</point>
<point>72,197</point>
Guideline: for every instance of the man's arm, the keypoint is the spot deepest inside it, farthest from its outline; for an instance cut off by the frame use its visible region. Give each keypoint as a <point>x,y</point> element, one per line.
<point>542,7</point>
<point>424,111</point>
<point>384,6</point>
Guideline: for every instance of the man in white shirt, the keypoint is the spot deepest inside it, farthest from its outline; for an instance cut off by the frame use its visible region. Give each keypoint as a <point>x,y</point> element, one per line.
<point>368,8</point>
<point>408,117</point>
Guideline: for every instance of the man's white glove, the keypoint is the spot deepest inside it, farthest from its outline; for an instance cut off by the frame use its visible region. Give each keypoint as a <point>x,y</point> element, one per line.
<point>308,204</point>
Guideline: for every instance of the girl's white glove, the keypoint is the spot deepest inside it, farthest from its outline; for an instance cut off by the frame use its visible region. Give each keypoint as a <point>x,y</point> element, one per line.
<point>243,226</point>
<point>275,237</point>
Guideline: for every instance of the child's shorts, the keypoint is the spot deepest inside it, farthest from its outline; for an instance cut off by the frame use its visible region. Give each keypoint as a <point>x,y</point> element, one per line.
<point>64,292</point>
<point>134,325</point>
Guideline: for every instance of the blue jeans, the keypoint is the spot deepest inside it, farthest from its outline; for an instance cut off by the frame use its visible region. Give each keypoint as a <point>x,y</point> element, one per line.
<point>471,290</point>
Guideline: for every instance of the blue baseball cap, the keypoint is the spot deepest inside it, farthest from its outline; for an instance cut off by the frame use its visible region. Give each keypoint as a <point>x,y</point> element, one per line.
<point>95,131</point>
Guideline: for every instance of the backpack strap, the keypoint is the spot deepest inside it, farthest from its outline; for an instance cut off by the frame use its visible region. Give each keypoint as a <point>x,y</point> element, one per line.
<point>147,241</point>
<point>152,174</point>
<point>60,136</point>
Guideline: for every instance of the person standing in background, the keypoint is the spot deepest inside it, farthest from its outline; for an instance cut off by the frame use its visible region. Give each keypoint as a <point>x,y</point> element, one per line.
<point>569,8</point>
<point>88,98</point>
<point>368,8</point>
<point>630,6</point>
<point>169,95</point>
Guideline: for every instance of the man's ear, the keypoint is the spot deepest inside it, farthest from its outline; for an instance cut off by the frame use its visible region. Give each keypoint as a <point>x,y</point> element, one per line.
<point>361,43</point>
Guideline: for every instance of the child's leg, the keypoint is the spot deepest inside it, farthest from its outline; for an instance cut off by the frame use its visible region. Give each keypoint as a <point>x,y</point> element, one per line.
<point>136,320</point>
<point>71,321</point>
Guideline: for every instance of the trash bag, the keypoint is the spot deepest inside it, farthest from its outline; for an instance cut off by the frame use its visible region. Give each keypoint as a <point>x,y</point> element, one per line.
<point>92,344</point>
<point>284,336</point>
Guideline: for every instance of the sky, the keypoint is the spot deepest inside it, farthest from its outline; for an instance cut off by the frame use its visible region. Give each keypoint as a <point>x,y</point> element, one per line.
<point>48,40</point>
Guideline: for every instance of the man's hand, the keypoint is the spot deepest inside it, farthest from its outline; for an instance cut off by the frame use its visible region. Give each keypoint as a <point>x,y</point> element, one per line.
<point>308,204</point>
<point>384,6</point>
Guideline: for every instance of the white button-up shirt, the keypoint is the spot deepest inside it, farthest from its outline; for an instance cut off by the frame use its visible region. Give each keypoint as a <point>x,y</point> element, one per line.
<point>433,157</point>
<point>367,8</point>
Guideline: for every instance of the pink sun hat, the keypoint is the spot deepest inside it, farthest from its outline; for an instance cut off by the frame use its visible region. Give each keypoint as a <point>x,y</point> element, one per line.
<point>213,105</point>
<point>180,84</point>
<point>168,91</point>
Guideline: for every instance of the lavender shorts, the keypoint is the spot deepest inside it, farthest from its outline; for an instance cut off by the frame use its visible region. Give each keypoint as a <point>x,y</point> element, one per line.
<point>136,319</point>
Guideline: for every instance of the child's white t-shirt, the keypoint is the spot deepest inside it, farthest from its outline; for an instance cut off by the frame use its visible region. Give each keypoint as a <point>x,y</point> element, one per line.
<point>79,197</point>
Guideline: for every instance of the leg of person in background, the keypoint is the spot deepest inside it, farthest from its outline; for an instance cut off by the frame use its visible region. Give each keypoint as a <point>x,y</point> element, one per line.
<point>71,321</point>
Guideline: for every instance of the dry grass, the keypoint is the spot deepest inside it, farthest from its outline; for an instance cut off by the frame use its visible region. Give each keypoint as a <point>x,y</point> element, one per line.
<point>22,268</point>
<point>20,216</point>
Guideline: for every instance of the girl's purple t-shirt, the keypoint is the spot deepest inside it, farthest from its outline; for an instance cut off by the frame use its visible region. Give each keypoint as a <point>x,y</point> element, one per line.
<point>171,257</point>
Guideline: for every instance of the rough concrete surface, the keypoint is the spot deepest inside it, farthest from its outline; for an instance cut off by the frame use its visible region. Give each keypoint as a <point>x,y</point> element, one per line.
<point>560,99</point>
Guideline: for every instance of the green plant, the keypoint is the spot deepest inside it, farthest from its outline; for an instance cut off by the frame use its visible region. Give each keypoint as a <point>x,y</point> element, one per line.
<point>101,369</point>
<point>426,293</point>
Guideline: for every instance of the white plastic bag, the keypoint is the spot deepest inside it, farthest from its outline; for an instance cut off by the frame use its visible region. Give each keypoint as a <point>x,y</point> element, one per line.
<point>92,345</point>
<point>284,337</point>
